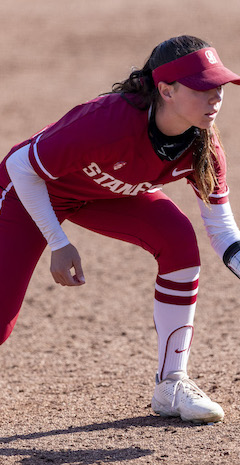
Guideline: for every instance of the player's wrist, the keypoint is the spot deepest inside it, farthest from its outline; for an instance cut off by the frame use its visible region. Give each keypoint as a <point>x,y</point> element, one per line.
<point>59,243</point>
<point>231,258</point>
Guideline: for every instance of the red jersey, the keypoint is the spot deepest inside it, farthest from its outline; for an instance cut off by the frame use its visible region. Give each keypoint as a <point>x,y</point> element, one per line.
<point>101,150</point>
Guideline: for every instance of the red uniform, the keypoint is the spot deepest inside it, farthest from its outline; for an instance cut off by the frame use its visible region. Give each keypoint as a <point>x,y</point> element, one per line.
<point>101,150</point>
<point>98,153</point>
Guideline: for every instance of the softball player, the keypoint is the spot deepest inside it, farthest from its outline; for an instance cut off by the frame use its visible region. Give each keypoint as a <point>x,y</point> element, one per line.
<point>102,166</point>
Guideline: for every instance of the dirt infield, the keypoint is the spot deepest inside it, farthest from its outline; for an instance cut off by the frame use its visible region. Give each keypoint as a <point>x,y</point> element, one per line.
<point>78,371</point>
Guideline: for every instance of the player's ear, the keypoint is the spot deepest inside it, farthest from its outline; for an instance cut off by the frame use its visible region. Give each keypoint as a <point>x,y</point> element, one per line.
<point>165,90</point>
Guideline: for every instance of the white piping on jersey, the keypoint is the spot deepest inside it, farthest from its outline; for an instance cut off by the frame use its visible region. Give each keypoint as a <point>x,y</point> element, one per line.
<point>217,196</point>
<point>220,195</point>
<point>5,191</point>
<point>39,161</point>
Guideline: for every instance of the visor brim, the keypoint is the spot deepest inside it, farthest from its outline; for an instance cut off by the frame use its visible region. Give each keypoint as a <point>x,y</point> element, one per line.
<point>210,79</point>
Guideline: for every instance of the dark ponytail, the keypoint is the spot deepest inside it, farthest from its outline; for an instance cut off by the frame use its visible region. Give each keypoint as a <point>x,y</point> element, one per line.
<point>140,84</point>
<point>144,94</point>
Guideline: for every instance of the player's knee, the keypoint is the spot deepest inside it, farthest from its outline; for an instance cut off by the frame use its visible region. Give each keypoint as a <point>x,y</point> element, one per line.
<point>186,241</point>
<point>179,249</point>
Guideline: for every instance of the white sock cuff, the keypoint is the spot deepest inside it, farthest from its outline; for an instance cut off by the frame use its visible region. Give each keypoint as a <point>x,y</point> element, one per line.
<point>184,275</point>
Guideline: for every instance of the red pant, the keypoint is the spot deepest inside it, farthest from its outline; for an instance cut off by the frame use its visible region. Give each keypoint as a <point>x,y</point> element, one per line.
<point>151,221</point>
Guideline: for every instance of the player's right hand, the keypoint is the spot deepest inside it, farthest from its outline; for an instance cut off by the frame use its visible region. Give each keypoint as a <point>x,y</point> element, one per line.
<point>62,261</point>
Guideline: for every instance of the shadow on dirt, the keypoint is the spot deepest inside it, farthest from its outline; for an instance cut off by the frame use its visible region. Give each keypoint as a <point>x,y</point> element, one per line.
<point>143,421</point>
<point>90,456</point>
<point>86,457</point>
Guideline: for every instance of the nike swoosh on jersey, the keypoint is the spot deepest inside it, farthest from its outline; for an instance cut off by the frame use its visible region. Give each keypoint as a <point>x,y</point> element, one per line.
<point>177,172</point>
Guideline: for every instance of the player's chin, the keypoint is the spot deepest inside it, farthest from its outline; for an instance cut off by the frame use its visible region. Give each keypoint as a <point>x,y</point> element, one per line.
<point>206,124</point>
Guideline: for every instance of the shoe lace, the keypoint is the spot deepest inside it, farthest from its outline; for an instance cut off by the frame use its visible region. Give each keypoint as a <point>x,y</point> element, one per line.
<point>189,388</point>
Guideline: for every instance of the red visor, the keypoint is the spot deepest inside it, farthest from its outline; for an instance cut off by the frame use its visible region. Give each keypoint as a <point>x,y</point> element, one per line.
<point>200,70</point>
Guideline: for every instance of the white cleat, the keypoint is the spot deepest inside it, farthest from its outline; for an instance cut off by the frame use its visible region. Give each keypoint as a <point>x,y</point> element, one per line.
<point>177,395</point>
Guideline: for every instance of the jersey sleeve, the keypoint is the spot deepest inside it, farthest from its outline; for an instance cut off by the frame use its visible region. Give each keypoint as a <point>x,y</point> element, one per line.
<point>32,192</point>
<point>221,190</point>
<point>59,149</point>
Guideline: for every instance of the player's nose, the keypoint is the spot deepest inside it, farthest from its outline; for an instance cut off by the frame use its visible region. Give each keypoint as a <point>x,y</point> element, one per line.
<point>216,95</point>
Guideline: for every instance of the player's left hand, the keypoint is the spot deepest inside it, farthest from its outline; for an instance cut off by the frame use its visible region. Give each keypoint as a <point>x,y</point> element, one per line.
<point>62,261</point>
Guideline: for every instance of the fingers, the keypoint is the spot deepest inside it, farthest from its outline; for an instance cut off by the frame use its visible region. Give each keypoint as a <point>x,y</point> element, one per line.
<point>79,276</point>
<point>66,279</point>
<point>62,262</point>
<point>80,280</point>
